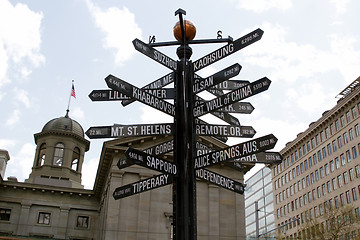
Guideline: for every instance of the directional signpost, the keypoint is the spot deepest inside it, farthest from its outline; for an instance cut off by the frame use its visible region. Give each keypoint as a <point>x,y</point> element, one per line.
<point>191,158</point>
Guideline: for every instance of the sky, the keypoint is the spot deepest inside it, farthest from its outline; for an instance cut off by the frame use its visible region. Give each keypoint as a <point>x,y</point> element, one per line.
<point>310,50</point>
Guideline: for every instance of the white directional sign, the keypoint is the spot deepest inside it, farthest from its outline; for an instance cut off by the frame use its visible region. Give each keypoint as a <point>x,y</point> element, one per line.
<point>140,95</point>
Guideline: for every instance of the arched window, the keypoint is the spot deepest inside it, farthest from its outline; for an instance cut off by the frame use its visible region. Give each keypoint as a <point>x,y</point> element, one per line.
<point>75,159</point>
<point>58,154</point>
<point>41,155</point>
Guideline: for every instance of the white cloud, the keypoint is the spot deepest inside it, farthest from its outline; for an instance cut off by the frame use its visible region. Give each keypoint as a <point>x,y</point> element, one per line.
<point>25,159</point>
<point>19,41</point>
<point>259,6</point>
<point>290,61</point>
<point>7,143</point>
<point>77,113</point>
<point>22,96</point>
<point>14,118</point>
<point>89,167</point>
<point>120,29</point>
<point>151,115</point>
<point>340,5</point>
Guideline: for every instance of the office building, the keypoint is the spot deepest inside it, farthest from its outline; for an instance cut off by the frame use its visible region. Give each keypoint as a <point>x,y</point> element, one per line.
<point>321,167</point>
<point>259,189</point>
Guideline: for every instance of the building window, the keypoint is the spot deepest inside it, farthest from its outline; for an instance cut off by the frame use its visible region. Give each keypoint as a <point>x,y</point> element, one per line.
<point>354,152</point>
<point>334,184</point>
<point>44,218</point>
<point>329,149</point>
<point>5,214</point>
<point>315,159</point>
<point>342,120</point>
<point>340,181</point>
<point>348,118</point>
<point>328,185</point>
<point>317,139</point>
<point>312,143</point>
<point>310,161</point>
<point>59,154</point>
<point>354,112</point>
<point>319,155</point>
<point>306,165</point>
<point>342,157</point>
<point>357,130</point>
<point>339,142</point>
<point>82,222</point>
<point>41,155</point>
<point>348,155</point>
<point>346,140</point>
<point>351,174</point>
<point>342,199</point>
<point>324,152</point>
<point>354,193</point>
<point>75,159</point>
<point>348,197</point>
<point>351,134</point>
<point>332,166</point>
<point>321,172</point>
<point>357,170</point>
<point>346,177</point>
<point>326,166</point>
<point>334,146</point>
<point>323,187</point>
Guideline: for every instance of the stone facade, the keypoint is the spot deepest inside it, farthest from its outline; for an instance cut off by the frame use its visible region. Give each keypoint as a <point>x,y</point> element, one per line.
<point>53,205</point>
<point>320,167</point>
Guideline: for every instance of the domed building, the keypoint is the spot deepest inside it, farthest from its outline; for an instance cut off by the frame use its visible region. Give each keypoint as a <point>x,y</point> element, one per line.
<point>53,204</point>
<point>59,153</point>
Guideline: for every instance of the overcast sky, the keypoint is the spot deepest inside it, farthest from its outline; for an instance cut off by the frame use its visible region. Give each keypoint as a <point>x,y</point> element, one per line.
<point>310,51</point>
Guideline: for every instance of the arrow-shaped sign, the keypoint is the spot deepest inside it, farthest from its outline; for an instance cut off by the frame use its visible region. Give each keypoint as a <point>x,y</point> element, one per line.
<point>224,130</point>
<point>112,95</point>
<point>156,150</point>
<point>238,107</point>
<point>151,161</point>
<point>202,149</point>
<point>220,180</point>
<point>226,117</point>
<point>230,84</point>
<point>155,54</point>
<point>157,84</point>
<point>142,186</point>
<point>161,148</point>
<point>118,130</point>
<point>232,97</point>
<point>261,157</point>
<point>107,95</point>
<point>216,78</point>
<point>228,49</point>
<point>237,151</point>
<point>140,95</point>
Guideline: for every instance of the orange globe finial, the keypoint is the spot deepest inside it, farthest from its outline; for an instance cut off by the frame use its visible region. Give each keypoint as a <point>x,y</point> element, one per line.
<point>190,31</point>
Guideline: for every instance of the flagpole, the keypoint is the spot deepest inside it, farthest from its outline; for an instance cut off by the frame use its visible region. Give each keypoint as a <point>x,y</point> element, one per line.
<point>72,93</point>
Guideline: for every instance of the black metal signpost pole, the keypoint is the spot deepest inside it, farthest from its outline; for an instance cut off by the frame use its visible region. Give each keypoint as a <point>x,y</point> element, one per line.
<point>184,184</point>
<point>186,110</point>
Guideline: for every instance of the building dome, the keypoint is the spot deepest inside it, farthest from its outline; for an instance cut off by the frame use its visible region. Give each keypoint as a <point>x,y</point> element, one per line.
<point>65,124</point>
